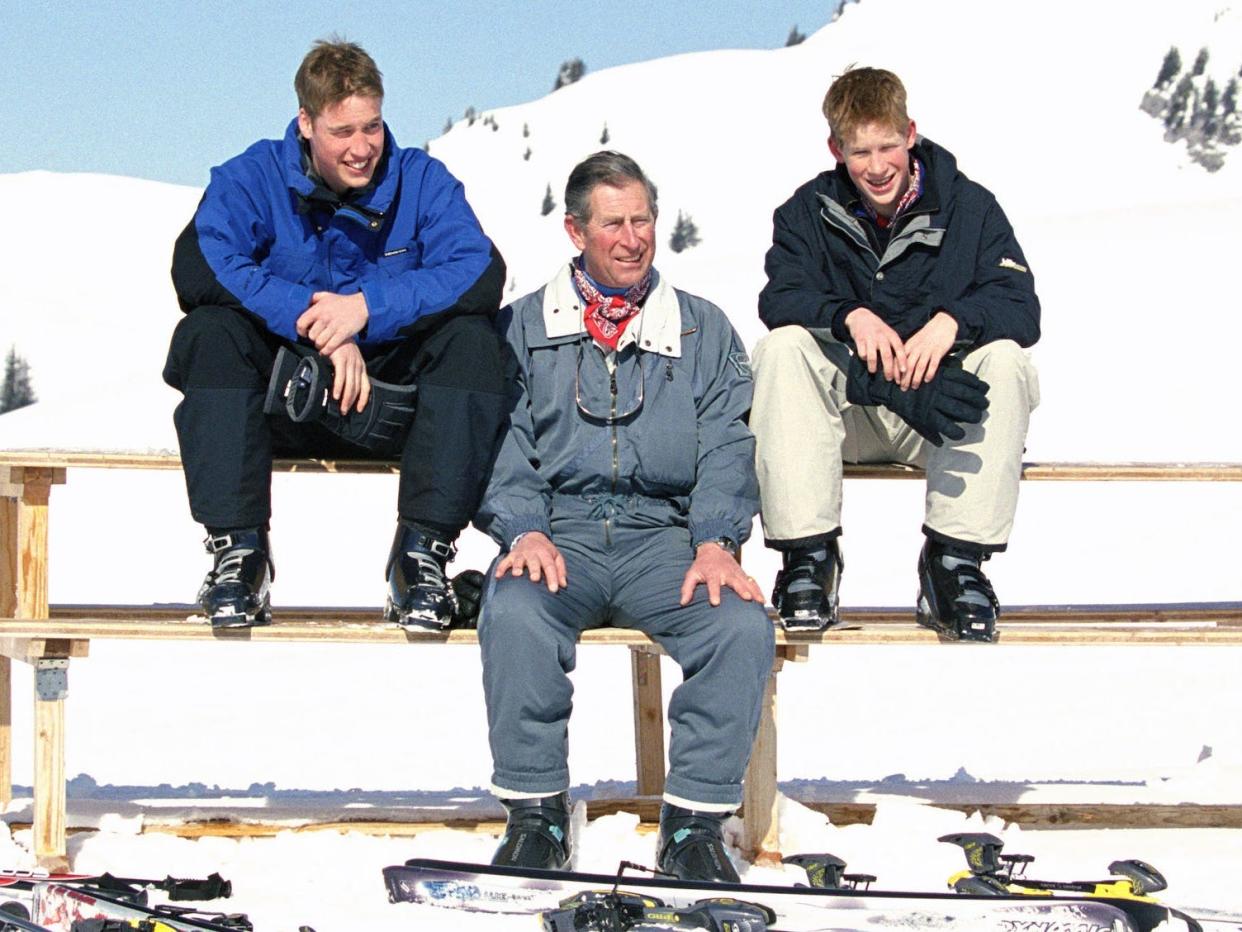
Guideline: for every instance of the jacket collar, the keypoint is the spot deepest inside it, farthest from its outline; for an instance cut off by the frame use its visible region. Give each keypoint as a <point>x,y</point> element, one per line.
<point>840,188</point>
<point>375,198</point>
<point>655,329</point>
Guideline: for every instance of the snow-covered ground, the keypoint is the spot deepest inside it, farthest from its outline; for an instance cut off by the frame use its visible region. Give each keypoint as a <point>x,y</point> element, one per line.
<point>1135,253</point>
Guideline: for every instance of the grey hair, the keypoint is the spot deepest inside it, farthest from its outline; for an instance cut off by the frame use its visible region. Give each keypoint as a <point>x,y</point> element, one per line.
<point>614,169</point>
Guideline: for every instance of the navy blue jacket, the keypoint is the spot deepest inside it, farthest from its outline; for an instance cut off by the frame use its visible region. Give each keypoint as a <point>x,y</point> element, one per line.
<point>954,250</point>
<point>265,237</point>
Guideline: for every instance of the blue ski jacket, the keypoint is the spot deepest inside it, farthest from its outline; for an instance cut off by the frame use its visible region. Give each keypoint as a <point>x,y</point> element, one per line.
<point>677,452</point>
<point>954,250</point>
<point>266,236</point>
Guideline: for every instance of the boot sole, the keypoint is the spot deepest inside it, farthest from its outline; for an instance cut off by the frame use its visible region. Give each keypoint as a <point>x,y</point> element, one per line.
<point>414,621</point>
<point>949,634</point>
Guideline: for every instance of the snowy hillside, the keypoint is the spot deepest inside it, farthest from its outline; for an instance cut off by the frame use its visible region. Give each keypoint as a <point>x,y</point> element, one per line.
<point>1134,252</point>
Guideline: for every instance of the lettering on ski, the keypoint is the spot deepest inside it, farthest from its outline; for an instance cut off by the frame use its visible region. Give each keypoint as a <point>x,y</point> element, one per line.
<point>484,888</point>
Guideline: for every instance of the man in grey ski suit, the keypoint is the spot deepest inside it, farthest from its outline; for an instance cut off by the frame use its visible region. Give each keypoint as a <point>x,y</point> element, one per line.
<point>622,490</point>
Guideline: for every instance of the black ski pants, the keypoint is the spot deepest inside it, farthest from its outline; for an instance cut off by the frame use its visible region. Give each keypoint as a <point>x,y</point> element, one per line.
<point>221,359</point>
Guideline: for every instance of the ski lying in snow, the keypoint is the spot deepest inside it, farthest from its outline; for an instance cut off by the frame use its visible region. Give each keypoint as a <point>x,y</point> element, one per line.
<point>178,889</point>
<point>483,888</point>
<point>65,908</point>
<point>10,922</point>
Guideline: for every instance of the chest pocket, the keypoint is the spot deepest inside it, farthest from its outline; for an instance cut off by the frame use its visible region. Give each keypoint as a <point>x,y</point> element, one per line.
<point>664,441</point>
<point>395,263</point>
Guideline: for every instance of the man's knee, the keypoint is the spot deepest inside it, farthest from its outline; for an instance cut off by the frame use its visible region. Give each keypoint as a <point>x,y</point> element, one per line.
<point>213,347</point>
<point>465,352</point>
<point>1007,368</point>
<point>784,344</point>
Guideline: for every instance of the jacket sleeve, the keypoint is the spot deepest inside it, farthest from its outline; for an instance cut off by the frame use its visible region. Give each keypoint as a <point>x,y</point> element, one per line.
<point>800,290</point>
<point>517,498</point>
<point>459,270</point>
<point>1001,303</point>
<point>216,260</point>
<point>725,496</point>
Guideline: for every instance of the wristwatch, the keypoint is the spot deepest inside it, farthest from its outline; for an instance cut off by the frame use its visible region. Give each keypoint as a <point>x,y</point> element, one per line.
<point>724,542</point>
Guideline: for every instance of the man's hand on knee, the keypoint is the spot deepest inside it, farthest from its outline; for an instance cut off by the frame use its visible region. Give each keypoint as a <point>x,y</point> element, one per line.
<point>877,343</point>
<point>536,555</point>
<point>716,568</point>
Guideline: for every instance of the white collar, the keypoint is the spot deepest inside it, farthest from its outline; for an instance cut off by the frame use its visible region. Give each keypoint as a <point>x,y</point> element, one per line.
<point>656,328</point>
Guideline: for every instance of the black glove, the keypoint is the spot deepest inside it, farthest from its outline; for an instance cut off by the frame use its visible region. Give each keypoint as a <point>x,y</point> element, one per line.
<point>939,407</point>
<point>301,387</point>
<point>468,587</point>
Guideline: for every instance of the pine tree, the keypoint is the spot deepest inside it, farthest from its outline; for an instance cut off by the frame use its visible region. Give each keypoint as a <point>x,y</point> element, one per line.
<point>448,125</point>
<point>604,137</point>
<point>1169,69</point>
<point>1229,100</point>
<point>1206,115</point>
<point>1201,61</point>
<point>549,204</point>
<point>1175,117</point>
<point>685,233</point>
<point>795,37</point>
<point>570,71</point>
<point>17,391</point>
<point>525,130</point>
<point>526,155</point>
<point>471,115</point>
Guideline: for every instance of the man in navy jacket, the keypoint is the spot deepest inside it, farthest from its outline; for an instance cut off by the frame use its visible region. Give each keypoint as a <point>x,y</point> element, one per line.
<point>900,304</point>
<point>335,262</point>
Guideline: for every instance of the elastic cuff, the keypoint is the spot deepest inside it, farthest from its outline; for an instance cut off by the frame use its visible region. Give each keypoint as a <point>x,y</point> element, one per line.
<point>502,792</point>
<point>513,785</point>
<point>706,797</point>
<point>524,524</point>
<point>969,545</point>
<point>713,529</point>
<point>802,543</point>
<point>697,805</point>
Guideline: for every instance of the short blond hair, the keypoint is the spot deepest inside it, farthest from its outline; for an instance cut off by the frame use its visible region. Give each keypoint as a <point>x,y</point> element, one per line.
<point>862,96</point>
<point>332,71</point>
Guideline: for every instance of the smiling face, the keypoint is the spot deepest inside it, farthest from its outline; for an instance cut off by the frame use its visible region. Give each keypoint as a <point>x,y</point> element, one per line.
<point>618,242</point>
<point>877,157</point>
<point>346,140</point>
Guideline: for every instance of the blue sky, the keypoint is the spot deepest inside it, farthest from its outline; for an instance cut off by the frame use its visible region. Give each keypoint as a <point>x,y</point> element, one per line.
<point>165,90</point>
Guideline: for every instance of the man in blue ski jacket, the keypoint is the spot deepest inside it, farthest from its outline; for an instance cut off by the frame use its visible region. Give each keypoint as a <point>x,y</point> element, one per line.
<point>900,305</point>
<point>338,295</point>
<point>623,487</point>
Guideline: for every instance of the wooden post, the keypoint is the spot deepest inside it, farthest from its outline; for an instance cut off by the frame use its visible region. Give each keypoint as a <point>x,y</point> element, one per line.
<point>761,835</point>
<point>8,609</point>
<point>648,721</point>
<point>27,554</point>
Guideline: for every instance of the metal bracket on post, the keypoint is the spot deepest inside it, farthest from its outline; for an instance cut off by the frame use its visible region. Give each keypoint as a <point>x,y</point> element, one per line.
<point>51,679</point>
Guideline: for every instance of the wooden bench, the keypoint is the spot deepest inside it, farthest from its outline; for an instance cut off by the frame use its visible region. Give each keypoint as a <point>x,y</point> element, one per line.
<point>47,638</point>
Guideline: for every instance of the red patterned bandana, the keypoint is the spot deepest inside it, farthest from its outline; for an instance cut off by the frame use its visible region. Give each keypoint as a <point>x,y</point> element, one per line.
<point>606,316</point>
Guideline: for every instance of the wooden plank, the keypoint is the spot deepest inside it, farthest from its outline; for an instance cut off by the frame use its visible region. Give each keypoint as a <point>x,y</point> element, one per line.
<point>1036,471</point>
<point>28,650</point>
<point>8,608</point>
<point>760,815</point>
<point>648,721</point>
<point>49,784</point>
<point>1113,625</point>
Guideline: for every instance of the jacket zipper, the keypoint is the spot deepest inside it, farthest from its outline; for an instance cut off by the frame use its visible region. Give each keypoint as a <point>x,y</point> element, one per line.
<point>616,465</point>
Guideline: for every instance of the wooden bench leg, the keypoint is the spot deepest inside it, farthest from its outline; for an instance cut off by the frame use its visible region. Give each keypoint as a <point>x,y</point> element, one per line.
<point>761,823</point>
<point>24,594</point>
<point>648,721</point>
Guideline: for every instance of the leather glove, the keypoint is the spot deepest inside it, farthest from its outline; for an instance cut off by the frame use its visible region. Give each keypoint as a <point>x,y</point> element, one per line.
<point>936,409</point>
<point>468,588</point>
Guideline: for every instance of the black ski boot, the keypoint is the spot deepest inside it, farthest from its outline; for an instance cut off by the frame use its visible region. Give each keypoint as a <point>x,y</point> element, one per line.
<point>419,595</point>
<point>805,595</point>
<point>692,845</point>
<point>235,593</point>
<point>536,833</point>
<point>955,598</point>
